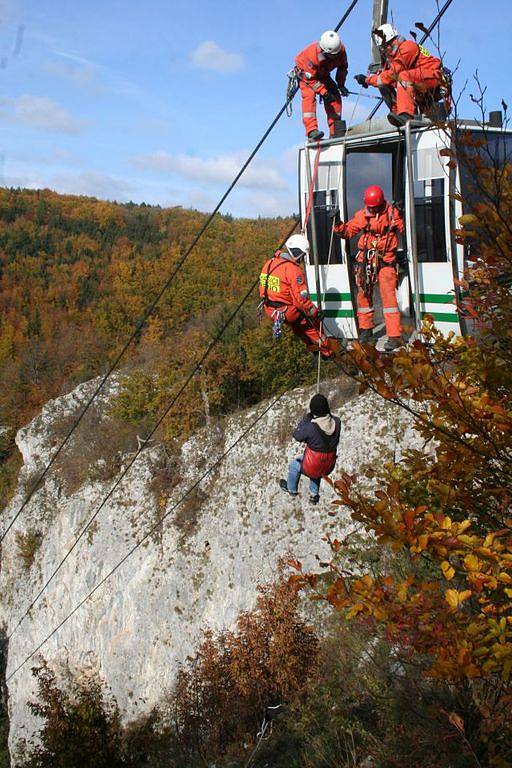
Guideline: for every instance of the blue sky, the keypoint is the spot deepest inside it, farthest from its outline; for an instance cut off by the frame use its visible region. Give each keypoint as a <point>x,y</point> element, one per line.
<point>161,101</point>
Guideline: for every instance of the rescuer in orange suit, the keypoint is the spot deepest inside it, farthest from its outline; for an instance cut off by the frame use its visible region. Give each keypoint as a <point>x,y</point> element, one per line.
<point>378,224</point>
<point>409,71</point>
<point>284,296</point>
<point>313,67</point>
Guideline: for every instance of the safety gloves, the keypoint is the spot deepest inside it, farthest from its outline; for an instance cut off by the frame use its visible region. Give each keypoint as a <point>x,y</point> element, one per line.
<point>361,79</point>
<point>344,91</point>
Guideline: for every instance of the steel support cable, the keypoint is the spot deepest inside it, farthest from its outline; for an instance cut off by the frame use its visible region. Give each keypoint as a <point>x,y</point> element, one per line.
<point>140,324</point>
<point>149,310</point>
<point>149,533</point>
<point>422,40</point>
<point>139,450</point>
<point>189,378</point>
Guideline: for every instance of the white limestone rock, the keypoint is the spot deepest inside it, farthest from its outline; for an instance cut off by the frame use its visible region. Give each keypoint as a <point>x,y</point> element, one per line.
<point>200,569</point>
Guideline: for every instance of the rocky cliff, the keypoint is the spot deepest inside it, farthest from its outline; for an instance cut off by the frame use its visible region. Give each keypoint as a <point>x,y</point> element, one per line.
<point>200,569</point>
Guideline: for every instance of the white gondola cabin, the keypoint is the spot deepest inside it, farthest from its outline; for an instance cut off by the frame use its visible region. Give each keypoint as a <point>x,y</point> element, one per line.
<point>414,174</point>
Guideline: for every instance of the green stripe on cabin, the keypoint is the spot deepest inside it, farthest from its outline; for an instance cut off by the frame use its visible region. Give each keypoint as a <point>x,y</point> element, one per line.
<point>332,296</point>
<point>437,298</point>
<point>338,313</point>
<point>442,317</point>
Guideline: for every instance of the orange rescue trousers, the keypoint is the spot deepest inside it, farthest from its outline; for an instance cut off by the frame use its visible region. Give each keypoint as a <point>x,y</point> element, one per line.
<point>309,119</point>
<point>410,84</point>
<point>387,280</point>
<point>308,330</point>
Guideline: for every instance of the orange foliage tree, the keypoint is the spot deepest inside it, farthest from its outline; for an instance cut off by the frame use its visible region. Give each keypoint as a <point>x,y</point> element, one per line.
<point>446,596</point>
<point>221,696</point>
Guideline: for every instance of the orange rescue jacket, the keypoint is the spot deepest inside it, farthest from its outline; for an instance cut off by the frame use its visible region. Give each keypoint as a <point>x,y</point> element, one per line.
<point>378,230</point>
<point>405,56</point>
<point>315,67</point>
<point>283,283</point>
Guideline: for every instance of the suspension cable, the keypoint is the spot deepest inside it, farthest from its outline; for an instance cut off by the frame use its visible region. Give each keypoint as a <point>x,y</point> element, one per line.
<point>139,326</point>
<point>422,40</point>
<point>142,445</point>
<point>151,307</point>
<point>149,533</point>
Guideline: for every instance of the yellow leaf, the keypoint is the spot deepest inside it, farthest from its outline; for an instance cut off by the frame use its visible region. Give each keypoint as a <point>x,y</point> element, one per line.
<point>471,563</point>
<point>454,598</point>
<point>448,571</point>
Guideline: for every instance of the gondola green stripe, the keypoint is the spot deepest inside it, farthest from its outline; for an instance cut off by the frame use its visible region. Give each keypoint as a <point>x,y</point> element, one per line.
<point>442,317</point>
<point>437,298</point>
<point>338,313</point>
<point>332,296</point>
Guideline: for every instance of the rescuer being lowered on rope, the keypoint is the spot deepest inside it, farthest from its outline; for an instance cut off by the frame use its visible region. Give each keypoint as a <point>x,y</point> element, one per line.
<point>284,296</point>
<point>410,75</point>
<point>313,68</point>
<point>377,224</point>
<point>321,433</point>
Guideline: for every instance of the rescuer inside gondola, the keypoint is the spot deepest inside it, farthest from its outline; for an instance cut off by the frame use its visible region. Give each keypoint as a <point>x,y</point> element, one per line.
<point>285,299</point>
<point>409,77</point>
<point>313,68</point>
<point>321,433</point>
<point>378,225</point>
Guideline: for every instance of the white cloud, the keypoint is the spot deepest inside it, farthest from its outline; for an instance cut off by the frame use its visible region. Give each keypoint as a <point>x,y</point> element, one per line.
<point>44,113</point>
<point>94,184</point>
<point>264,204</point>
<point>83,76</point>
<point>220,169</point>
<point>209,55</point>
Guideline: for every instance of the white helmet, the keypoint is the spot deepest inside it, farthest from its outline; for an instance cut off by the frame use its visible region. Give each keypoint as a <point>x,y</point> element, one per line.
<point>384,34</point>
<point>330,42</point>
<point>297,246</point>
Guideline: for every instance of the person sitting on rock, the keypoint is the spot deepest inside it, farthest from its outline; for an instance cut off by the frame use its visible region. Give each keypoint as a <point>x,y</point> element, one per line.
<point>320,430</point>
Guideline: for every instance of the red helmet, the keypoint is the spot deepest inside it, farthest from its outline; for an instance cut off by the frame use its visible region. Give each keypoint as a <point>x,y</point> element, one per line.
<point>374,197</point>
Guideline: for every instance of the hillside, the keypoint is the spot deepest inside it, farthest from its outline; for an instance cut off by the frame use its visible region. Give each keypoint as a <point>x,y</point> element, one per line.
<point>201,569</point>
<point>77,273</point>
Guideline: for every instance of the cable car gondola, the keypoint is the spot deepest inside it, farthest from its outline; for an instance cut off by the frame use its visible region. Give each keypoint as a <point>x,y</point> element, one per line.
<point>411,165</point>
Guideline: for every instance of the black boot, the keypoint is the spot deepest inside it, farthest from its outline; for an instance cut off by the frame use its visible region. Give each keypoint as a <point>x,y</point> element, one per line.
<point>339,129</point>
<point>315,135</point>
<point>366,336</point>
<point>314,499</point>
<point>284,486</point>
<point>399,120</point>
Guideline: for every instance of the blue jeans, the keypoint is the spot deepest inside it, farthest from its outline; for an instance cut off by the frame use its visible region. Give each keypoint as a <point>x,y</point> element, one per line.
<point>294,473</point>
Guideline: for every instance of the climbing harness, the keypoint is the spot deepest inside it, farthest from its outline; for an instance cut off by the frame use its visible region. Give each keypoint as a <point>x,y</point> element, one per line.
<point>367,271</point>
<point>291,90</point>
<point>278,317</point>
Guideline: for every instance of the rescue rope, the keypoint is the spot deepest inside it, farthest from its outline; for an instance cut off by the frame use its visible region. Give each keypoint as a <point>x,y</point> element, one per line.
<point>149,310</point>
<point>319,361</point>
<point>311,191</point>
<point>126,469</point>
<point>148,534</point>
<point>139,326</point>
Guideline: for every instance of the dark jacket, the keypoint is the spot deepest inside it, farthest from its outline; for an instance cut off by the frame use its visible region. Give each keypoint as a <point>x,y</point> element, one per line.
<point>321,436</point>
